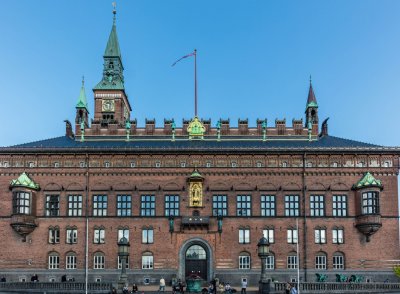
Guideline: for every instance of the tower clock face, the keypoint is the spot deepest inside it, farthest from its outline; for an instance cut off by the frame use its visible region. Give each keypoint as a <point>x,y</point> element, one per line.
<point>108,105</point>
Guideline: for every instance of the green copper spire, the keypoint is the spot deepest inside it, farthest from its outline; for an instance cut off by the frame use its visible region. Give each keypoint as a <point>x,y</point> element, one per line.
<point>368,180</point>
<point>24,181</point>
<point>82,102</point>
<point>113,77</point>
<point>311,100</point>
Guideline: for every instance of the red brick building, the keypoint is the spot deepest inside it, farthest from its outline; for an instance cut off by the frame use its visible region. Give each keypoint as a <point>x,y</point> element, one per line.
<point>195,199</point>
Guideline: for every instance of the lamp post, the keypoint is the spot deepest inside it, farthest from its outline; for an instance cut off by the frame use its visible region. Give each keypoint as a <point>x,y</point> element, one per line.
<point>263,252</point>
<point>123,253</point>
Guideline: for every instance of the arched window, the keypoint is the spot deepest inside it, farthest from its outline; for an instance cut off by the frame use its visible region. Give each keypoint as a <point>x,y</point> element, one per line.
<point>147,260</point>
<point>338,260</point>
<point>270,261</point>
<point>54,260</point>
<point>70,260</point>
<point>99,260</point>
<point>292,260</point>
<point>320,261</point>
<point>54,235</point>
<point>244,260</point>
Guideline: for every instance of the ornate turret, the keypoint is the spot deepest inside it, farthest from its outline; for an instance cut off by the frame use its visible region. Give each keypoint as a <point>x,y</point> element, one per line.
<point>81,118</point>
<point>23,214</point>
<point>112,108</point>
<point>368,220</point>
<point>312,111</point>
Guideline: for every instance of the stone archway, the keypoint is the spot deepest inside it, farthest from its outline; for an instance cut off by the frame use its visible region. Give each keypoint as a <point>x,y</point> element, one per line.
<point>208,258</point>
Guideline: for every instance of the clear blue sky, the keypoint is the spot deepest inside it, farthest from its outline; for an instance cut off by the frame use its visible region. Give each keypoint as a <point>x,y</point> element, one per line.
<point>254,61</point>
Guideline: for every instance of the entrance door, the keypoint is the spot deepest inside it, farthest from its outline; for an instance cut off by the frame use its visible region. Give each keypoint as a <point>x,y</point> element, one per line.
<point>196,262</point>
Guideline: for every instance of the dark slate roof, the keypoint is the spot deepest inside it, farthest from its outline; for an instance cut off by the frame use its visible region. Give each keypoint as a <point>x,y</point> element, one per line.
<point>164,143</point>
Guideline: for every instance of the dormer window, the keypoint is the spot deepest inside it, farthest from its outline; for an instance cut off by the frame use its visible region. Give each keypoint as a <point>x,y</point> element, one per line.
<point>107,164</point>
<point>56,164</point>
<point>284,164</point>
<point>208,164</point>
<point>259,164</point>
<point>82,164</point>
<point>158,164</point>
<point>133,164</point>
<point>183,164</point>
<point>234,164</point>
<point>31,164</point>
<point>360,164</point>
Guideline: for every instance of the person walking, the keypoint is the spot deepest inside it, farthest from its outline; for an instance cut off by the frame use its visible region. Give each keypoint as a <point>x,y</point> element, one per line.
<point>244,286</point>
<point>162,285</point>
<point>287,288</point>
<point>293,290</point>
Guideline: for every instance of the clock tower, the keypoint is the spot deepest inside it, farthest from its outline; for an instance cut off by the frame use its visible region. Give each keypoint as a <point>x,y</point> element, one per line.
<point>111,103</point>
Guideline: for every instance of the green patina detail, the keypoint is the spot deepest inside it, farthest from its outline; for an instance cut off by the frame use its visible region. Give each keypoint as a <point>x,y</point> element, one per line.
<point>82,101</point>
<point>24,181</point>
<point>368,180</point>
<point>113,77</point>
<point>312,104</point>
<point>196,174</point>
<point>196,128</point>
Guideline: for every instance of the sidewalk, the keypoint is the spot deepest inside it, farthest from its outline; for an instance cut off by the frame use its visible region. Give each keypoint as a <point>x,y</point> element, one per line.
<point>168,289</point>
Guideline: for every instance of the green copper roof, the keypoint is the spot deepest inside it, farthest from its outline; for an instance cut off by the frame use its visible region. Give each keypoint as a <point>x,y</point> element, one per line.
<point>24,181</point>
<point>311,100</point>
<point>112,49</point>
<point>196,174</point>
<point>368,180</point>
<point>82,102</point>
<point>113,76</point>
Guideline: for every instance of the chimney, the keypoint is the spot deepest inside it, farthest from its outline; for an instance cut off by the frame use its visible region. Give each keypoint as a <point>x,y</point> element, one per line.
<point>68,129</point>
<point>324,128</point>
<point>150,125</point>
<point>243,125</point>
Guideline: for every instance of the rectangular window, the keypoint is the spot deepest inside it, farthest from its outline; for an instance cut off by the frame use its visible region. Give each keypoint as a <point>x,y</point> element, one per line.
<point>270,262</point>
<point>370,203</point>
<point>244,262</point>
<point>243,205</point>
<point>54,261</point>
<point>269,235</point>
<point>292,206</point>
<point>292,262</point>
<point>320,236</point>
<point>52,205</point>
<point>317,206</point>
<point>99,205</point>
<point>74,205</point>
<point>123,233</point>
<point>220,205</point>
<point>338,262</point>
<point>171,205</point>
<point>99,262</point>
<point>339,205</point>
<point>147,236</point>
<point>320,262</point>
<point>147,262</point>
<point>54,235</point>
<point>124,205</point>
<point>120,263</point>
<point>148,205</point>
<point>244,236</point>
<point>70,262</point>
<point>267,205</point>
<point>22,203</point>
<point>337,236</point>
<point>72,236</point>
<point>292,236</point>
<point>99,236</point>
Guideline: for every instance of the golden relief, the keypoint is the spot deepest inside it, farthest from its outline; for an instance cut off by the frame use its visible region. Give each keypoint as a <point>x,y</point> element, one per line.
<point>196,194</point>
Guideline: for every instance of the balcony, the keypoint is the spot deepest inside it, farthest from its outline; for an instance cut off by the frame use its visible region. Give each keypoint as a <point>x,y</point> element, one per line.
<point>368,224</point>
<point>23,224</point>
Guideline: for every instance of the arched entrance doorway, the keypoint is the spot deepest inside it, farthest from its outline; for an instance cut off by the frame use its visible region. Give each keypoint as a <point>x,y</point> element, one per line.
<point>196,262</point>
<point>196,257</point>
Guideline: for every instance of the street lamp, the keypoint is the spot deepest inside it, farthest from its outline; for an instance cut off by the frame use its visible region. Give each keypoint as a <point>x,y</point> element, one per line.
<point>263,252</point>
<point>123,253</point>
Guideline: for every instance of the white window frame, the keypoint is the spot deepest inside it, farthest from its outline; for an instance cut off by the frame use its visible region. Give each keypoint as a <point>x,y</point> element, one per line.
<point>99,261</point>
<point>320,262</point>
<point>244,236</point>
<point>72,236</point>
<point>338,261</point>
<point>292,236</point>
<point>120,263</point>
<point>99,236</point>
<point>70,261</point>
<point>338,236</point>
<point>147,262</point>
<point>54,235</point>
<point>147,236</point>
<point>270,262</point>
<point>269,235</point>
<point>54,261</point>
<point>320,236</point>
<point>292,262</point>
<point>244,261</point>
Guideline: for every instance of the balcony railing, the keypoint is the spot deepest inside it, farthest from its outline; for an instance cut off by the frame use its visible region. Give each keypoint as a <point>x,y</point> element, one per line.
<point>69,287</point>
<point>341,287</point>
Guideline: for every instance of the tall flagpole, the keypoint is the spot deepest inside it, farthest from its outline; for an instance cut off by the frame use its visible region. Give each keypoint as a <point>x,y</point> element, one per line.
<point>195,82</point>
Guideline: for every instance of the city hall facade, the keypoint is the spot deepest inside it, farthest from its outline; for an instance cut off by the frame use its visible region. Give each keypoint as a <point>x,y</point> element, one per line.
<point>195,199</point>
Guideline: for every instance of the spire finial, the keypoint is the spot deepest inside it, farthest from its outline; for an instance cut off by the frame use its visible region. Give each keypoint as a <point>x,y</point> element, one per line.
<point>114,4</point>
<point>83,80</point>
<point>310,80</point>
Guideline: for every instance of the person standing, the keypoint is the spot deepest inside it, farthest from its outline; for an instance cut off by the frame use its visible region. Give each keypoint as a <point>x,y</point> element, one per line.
<point>162,285</point>
<point>287,288</point>
<point>244,286</point>
<point>293,290</point>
